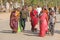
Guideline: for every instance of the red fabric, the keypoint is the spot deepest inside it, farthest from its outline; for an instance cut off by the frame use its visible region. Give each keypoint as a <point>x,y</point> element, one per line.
<point>43,25</point>
<point>34,19</point>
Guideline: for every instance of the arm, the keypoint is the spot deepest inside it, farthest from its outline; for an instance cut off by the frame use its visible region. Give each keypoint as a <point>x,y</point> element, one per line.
<point>47,18</point>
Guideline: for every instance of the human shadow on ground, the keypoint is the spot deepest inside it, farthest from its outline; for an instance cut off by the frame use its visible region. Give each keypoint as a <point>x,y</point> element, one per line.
<point>6,31</point>
<point>57,31</point>
<point>30,33</point>
<point>0,19</point>
<point>58,22</point>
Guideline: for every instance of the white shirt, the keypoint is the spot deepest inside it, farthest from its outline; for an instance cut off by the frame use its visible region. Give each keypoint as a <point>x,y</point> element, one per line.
<point>39,10</point>
<point>7,5</point>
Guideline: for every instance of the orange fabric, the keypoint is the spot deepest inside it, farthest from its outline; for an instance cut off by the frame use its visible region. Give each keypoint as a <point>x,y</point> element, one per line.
<point>46,11</point>
<point>17,14</point>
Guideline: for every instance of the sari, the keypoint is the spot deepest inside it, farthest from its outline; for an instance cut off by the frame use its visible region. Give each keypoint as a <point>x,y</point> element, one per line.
<point>43,24</point>
<point>14,19</point>
<point>34,19</point>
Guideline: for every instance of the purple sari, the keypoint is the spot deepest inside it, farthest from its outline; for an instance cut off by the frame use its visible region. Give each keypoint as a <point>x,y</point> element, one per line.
<point>13,22</point>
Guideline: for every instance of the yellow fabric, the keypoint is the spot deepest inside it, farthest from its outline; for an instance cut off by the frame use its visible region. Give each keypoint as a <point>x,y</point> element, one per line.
<point>17,14</point>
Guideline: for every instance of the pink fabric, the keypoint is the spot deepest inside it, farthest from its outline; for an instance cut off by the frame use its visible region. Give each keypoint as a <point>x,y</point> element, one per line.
<point>43,24</point>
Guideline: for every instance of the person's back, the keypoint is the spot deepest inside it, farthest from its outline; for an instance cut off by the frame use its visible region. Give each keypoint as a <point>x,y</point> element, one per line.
<point>7,5</point>
<point>52,18</point>
<point>23,16</point>
<point>24,13</point>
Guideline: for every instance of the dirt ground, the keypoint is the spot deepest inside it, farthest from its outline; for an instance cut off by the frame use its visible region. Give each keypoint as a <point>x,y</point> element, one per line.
<point>5,30</point>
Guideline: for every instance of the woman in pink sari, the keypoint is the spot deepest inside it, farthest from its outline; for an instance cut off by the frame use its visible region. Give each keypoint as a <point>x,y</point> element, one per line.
<point>34,19</point>
<point>43,23</point>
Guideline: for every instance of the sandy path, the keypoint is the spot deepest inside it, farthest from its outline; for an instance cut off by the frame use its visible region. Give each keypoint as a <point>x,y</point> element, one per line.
<point>5,31</point>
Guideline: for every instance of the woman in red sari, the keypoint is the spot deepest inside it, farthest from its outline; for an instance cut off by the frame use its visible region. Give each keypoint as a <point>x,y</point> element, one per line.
<point>34,18</point>
<point>43,23</point>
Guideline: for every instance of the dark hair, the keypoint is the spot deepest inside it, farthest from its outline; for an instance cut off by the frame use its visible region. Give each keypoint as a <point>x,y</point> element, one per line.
<point>49,9</point>
<point>38,6</point>
<point>23,8</point>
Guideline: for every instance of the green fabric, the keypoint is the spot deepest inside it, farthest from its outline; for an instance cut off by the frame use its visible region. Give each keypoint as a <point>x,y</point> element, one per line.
<point>19,27</point>
<point>24,14</point>
<point>22,22</point>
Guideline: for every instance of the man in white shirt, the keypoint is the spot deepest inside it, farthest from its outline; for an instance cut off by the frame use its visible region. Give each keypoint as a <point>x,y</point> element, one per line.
<point>39,10</point>
<point>7,6</point>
